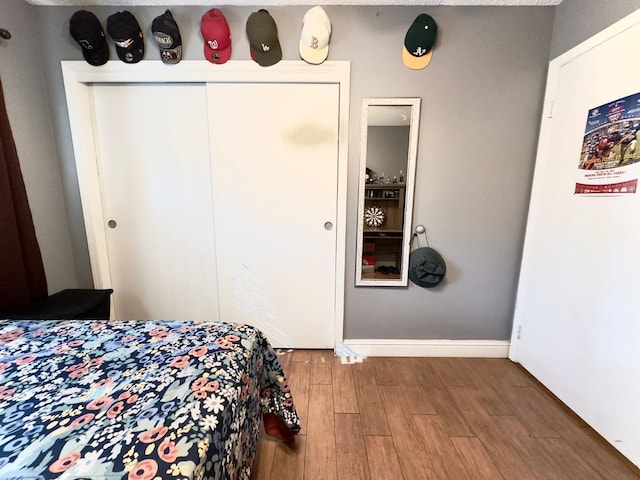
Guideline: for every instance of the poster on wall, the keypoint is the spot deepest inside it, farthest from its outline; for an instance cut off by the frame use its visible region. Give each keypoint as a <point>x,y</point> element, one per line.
<point>610,155</point>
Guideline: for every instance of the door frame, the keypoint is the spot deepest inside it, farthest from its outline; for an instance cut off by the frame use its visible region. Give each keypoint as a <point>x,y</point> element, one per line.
<point>78,78</point>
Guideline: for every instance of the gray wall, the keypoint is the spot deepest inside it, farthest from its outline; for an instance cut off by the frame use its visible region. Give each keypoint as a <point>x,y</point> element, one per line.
<point>482,97</point>
<point>481,103</point>
<point>387,150</point>
<point>577,20</point>
<point>25,90</point>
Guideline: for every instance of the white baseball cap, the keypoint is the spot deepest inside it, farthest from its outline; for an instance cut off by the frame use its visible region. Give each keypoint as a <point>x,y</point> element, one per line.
<point>314,38</point>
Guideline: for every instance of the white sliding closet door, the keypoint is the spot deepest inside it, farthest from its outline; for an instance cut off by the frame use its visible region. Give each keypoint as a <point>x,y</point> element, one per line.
<point>274,153</point>
<point>152,148</point>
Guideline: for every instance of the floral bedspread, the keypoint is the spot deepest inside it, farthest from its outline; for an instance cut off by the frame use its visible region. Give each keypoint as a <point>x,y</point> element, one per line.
<point>135,399</point>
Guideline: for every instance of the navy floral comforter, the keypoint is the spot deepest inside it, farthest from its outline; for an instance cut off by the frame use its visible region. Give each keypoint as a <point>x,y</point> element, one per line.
<point>135,399</point>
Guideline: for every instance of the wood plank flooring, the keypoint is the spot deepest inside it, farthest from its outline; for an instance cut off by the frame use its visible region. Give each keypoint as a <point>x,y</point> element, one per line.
<point>431,418</point>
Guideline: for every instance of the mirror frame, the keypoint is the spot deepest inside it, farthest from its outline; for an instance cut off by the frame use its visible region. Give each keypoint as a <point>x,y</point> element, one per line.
<point>414,128</point>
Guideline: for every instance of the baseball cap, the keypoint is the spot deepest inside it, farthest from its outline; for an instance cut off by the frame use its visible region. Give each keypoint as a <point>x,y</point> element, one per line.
<point>167,35</point>
<point>85,28</point>
<point>427,268</point>
<point>125,31</point>
<point>314,38</point>
<point>217,36</point>
<point>263,38</point>
<point>419,42</point>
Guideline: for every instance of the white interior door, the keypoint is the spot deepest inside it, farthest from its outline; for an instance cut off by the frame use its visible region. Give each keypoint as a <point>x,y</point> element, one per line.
<point>274,151</point>
<point>576,323</point>
<point>152,145</point>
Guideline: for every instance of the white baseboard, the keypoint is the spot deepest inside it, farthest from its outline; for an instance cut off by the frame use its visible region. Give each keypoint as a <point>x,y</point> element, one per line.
<point>423,348</point>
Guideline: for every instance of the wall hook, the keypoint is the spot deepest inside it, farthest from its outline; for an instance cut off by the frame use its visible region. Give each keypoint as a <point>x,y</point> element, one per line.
<point>4,33</point>
<point>421,235</point>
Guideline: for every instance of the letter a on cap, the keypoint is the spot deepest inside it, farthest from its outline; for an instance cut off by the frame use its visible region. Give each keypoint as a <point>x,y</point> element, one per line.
<point>419,42</point>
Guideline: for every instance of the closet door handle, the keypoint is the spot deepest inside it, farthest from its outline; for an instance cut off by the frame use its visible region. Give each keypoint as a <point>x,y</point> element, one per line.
<point>112,224</point>
<point>328,226</point>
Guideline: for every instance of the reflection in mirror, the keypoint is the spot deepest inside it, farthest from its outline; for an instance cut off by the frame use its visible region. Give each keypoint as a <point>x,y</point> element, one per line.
<point>389,137</point>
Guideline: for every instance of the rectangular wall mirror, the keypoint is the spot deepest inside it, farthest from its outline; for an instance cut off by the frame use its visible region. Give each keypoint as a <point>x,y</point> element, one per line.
<point>388,149</point>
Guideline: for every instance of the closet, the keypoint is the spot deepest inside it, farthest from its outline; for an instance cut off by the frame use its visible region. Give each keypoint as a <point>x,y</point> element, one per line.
<point>216,195</point>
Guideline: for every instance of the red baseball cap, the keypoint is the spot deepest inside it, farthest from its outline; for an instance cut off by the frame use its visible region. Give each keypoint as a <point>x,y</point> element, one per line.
<point>217,36</point>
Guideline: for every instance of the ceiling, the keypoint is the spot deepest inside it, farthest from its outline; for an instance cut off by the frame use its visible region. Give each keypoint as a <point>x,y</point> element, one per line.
<point>477,3</point>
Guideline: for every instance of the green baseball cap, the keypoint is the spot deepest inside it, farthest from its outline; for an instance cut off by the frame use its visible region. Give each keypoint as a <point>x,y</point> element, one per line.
<point>263,38</point>
<point>419,42</point>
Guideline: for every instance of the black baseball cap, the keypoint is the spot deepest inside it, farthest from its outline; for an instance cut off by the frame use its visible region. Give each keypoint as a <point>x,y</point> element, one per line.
<point>125,31</point>
<point>167,35</point>
<point>85,28</point>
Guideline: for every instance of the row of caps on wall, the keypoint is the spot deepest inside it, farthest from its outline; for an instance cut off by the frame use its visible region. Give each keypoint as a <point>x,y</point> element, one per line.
<point>261,31</point>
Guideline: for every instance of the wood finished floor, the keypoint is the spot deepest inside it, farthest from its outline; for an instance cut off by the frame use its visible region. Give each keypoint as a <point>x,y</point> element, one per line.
<point>431,418</point>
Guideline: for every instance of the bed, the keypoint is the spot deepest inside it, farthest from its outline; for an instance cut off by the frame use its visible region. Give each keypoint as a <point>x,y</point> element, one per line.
<point>137,399</point>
